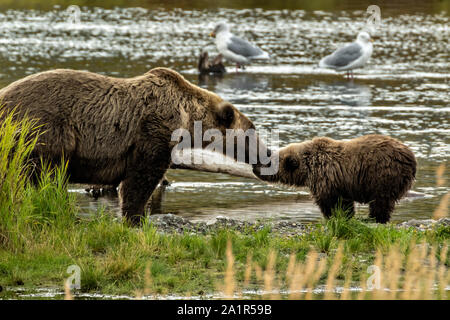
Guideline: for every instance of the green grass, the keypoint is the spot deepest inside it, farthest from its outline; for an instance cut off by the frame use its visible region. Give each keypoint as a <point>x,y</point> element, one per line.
<point>41,235</point>
<point>113,256</point>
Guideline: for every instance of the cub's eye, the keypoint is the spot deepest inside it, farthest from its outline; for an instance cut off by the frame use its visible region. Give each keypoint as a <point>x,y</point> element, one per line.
<point>226,115</point>
<point>290,164</point>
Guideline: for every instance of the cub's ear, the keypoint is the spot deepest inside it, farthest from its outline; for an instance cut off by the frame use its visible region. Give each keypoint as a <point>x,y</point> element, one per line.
<point>290,164</point>
<point>225,115</point>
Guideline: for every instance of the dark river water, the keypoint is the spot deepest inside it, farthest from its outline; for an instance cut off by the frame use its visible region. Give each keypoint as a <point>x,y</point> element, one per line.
<point>403,91</point>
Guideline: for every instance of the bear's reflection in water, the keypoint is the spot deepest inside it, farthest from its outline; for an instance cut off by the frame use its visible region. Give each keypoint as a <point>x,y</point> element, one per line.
<point>236,199</point>
<point>107,196</point>
<point>177,200</point>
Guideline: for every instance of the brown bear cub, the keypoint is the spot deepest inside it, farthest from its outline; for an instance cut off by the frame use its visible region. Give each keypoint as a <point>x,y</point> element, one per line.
<point>372,169</point>
<point>114,130</point>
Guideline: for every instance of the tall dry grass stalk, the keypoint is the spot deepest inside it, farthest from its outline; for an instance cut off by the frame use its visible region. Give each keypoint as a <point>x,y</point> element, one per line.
<point>148,279</point>
<point>247,273</point>
<point>422,273</point>
<point>440,180</point>
<point>248,270</point>
<point>345,295</point>
<point>67,291</point>
<point>443,279</point>
<point>269,277</point>
<point>147,290</point>
<point>337,261</point>
<point>442,210</point>
<point>318,272</point>
<point>230,284</point>
<point>393,264</point>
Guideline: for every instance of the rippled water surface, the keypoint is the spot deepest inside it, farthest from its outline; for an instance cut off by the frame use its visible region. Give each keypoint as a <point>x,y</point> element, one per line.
<point>403,92</point>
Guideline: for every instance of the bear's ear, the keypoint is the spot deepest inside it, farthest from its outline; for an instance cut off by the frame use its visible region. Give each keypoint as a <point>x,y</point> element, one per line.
<point>226,115</point>
<point>290,164</point>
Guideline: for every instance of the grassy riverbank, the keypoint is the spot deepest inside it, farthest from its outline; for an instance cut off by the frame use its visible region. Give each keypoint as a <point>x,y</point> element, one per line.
<point>41,235</point>
<point>117,259</point>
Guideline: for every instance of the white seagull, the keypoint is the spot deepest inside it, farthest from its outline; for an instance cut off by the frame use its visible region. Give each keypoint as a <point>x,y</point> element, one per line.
<point>351,56</point>
<point>234,48</point>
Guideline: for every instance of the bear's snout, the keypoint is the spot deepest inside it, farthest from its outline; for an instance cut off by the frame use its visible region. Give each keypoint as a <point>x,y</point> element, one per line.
<point>257,170</point>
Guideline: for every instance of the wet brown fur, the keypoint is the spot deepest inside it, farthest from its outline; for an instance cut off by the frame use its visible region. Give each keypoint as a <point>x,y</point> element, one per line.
<point>116,130</point>
<point>373,169</point>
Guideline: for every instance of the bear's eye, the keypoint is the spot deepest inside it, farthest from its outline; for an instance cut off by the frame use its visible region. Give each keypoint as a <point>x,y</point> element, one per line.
<point>226,115</point>
<point>290,164</point>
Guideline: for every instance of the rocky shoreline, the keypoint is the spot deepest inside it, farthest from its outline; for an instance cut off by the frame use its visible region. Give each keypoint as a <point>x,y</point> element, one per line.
<point>423,225</point>
<point>170,223</point>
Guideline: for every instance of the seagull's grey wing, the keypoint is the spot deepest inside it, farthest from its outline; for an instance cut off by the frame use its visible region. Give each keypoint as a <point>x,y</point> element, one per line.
<point>242,47</point>
<point>344,55</point>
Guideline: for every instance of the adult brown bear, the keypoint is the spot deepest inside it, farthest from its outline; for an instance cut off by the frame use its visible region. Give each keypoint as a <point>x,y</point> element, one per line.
<point>117,130</point>
<point>372,169</point>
